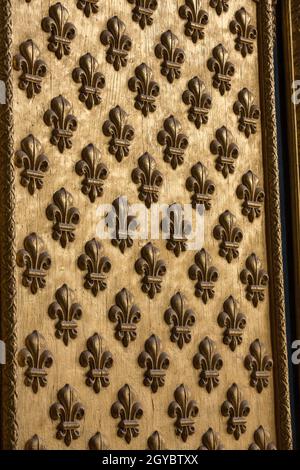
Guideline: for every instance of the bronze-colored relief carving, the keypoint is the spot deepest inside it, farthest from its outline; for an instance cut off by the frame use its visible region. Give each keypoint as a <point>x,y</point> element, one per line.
<point>98,442</point>
<point>92,81</point>
<point>123,225</point>
<point>262,440</point>
<point>149,178</point>
<point>152,269</point>
<point>184,410</point>
<point>94,171</point>
<point>174,140</point>
<point>237,410</point>
<point>155,361</point>
<point>66,312</point>
<point>98,361</point>
<point>209,362</point>
<point>234,323</point>
<point>222,68</point>
<point>88,6</point>
<point>181,320</point>
<point>69,411</point>
<point>61,31</point>
<point>245,31</point>
<point>62,122</point>
<point>201,187</point>
<point>226,150</point>
<point>205,274</point>
<point>129,411</point>
<point>196,19</point>
<point>260,364</point>
<point>211,441</point>
<point>247,111</point>
<point>37,359</point>
<point>126,314</point>
<point>255,279</point>
<point>200,102</point>
<point>119,43</point>
<point>156,442</point>
<point>64,216</point>
<point>33,68</point>
<point>173,57</point>
<point>147,89</point>
<point>176,228</point>
<point>34,164</point>
<point>230,236</point>
<point>36,261</point>
<point>121,133</point>
<point>220,6</point>
<point>252,195</point>
<point>96,265</point>
<point>35,443</point>
<point>143,11</point>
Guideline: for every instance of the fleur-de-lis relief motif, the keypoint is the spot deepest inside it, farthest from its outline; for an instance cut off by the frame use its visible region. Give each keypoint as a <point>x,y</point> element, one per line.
<point>205,274</point>
<point>149,178</point>
<point>200,102</point>
<point>230,236</point>
<point>156,442</point>
<point>176,228</point>
<point>34,163</point>
<point>69,411</point>
<point>96,265</point>
<point>143,11</point>
<point>181,320</point>
<point>119,43</point>
<point>245,31</point>
<point>220,6</point>
<point>211,441</point>
<point>121,133</point>
<point>35,443</point>
<point>156,363</point>
<point>126,314</point>
<point>63,123</point>
<point>33,68</point>
<point>223,69</point>
<point>226,150</point>
<point>98,361</point>
<point>237,410</point>
<point>98,442</point>
<point>252,195</point>
<point>184,410</point>
<point>147,89</point>
<point>209,362</point>
<point>255,278</point>
<point>66,312</point>
<point>196,19</point>
<point>262,440</point>
<point>88,6</point>
<point>260,364</point>
<point>173,57</point>
<point>36,261</point>
<point>92,81</point>
<point>152,269</point>
<point>61,31</point>
<point>129,411</point>
<point>201,186</point>
<point>247,111</point>
<point>94,171</point>
<point>122,224</point>
<point>174,140</point>
<point>234,323</point>
<point>37,359</point>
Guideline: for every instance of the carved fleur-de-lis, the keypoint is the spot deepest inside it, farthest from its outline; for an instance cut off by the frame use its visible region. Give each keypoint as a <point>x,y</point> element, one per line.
<point>147,89</point>
<point>36,261</point>
<point>220,6</point>
<point>152,269</point>
<point>149,178</point>
<point>222,68</point>
<point>211,441</point>
<point>247,111</point>
<point>201,187</point>
<point>63,123</point>
<point>234,323</point>
<point>156,363</point>
<point>252,195</point>
<point>37,359</point>
<point>196,19</point>
<point>34,163</point>
<point>143,11</point>
<point>181,320</point>
<point>209,362</point>
<point>88,6</point>
<point>200,102</point>
<point>94,171</point>
<point>123,225</point>
<point>66,312</point>
<point>99,362</point>
<point>205,274</point>
<point>121,133</point>
<point>61,31</point>
<point>262,440</point>
<point>69,411</point>
<point>119,43</point>
<point>35,443</point>
<point>245,31</point>
<point>92,81</point>
<point>230,236</point>
<point>126,314</point>
<point>156,442</point>
<point>96,265</point>
<point>174,140</point>
<point>184,410</point>
<point>237,410</point>
<point>255,279</point>
<point>129,411</point>
<point>65,217</point>
<point>33,68</point>
<point>226,150</point>
<point>173,57</point>
<point>98,442</point>
<point>260,364</point>
<point>175,229</point>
